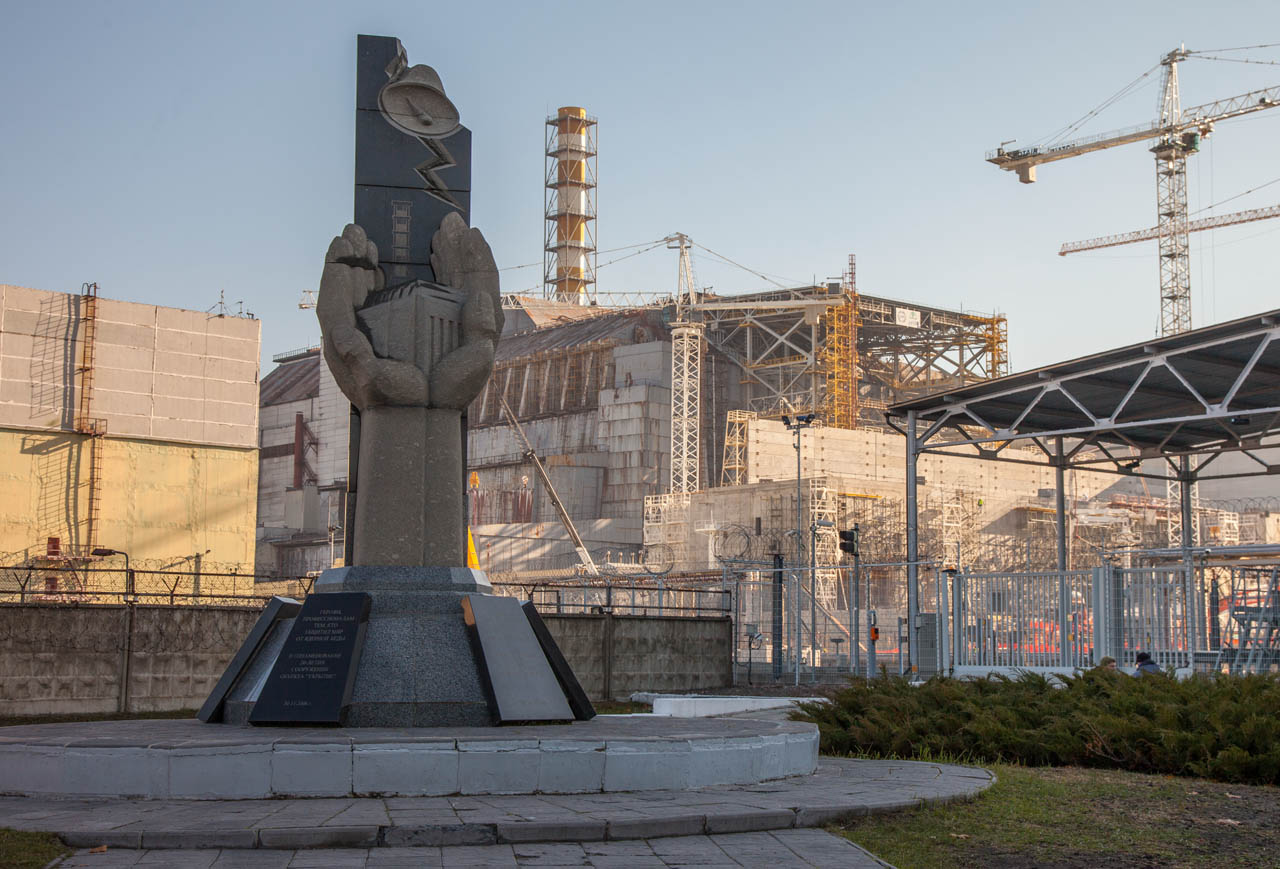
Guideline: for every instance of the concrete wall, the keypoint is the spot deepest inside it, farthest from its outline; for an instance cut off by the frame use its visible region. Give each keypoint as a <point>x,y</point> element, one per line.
<point>177,392</point>
<point>163,503</point>
<point>58,659</point>
<point>615,655</point>
<point>159,373</point>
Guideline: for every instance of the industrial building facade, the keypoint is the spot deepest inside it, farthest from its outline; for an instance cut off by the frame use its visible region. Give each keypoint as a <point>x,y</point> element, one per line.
<point>125,427</point>
<point>302,477</point>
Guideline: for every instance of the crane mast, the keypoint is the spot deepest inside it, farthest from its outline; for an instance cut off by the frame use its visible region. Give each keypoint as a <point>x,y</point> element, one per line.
<point>1171,151</point>
<point>686,376</point>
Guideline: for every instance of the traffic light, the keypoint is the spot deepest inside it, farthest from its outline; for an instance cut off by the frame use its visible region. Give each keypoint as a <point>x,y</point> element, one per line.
<point>849,541</point>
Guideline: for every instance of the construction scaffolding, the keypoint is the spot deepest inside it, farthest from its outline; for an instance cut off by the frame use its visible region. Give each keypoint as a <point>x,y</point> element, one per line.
<point>839,358</point>
<point>733,470</point>
<point>845,356</point>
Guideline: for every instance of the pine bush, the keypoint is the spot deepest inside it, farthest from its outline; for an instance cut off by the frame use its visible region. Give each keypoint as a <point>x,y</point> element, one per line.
<point>1212,726</point>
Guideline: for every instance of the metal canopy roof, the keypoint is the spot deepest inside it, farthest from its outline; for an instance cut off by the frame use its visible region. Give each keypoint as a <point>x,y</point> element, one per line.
<point>1203,392</point>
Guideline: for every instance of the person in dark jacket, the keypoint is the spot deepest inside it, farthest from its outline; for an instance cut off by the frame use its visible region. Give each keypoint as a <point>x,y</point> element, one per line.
<point>1146,666</point>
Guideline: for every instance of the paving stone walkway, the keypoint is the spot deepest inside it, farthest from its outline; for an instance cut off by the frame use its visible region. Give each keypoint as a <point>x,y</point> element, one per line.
<point>777,849</point>
<point>841,787</point>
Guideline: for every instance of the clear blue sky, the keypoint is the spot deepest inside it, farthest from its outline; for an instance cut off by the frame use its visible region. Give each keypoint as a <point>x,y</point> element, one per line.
<point>169,151</point>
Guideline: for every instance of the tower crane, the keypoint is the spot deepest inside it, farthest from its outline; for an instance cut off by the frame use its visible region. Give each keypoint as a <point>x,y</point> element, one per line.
<point>1214,222</point>
<point>1176,133</point>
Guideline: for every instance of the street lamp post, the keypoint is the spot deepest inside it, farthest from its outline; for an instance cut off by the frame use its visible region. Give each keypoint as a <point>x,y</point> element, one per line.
<point>128,571</point>
<point>802,421</point>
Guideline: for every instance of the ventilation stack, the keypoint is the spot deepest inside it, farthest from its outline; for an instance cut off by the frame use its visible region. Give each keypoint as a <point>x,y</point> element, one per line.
<point>569,258</point>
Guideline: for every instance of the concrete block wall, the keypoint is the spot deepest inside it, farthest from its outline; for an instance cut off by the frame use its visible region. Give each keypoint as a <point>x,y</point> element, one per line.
<point>635,433</point>
<point>66,659</point>
<point>159,373</point>
<point>275,474</point>
<point>331,423</point>
<point>502,547</point>
<point>160,502</point>
<point>615,655</point>
<point>178,392</point>
<point>61,659</point>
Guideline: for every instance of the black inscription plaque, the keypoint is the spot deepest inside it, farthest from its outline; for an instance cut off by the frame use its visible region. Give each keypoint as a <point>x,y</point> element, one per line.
<point>312,679</point>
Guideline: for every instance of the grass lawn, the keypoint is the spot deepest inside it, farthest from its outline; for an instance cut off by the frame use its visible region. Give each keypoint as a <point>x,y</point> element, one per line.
<point>22,850</point>
<point>1072,818</point>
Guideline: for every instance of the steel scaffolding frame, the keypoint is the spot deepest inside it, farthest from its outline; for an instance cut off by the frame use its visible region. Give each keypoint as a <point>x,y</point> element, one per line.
<point>789,344</point>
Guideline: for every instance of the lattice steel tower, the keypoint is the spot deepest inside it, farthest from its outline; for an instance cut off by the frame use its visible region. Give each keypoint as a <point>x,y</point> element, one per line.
<point>686,376</point>
<point>569,246</point>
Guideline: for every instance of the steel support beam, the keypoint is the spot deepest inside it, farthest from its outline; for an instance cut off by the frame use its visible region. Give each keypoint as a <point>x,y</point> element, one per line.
<point>1060,502</point>
<point>913,544</point>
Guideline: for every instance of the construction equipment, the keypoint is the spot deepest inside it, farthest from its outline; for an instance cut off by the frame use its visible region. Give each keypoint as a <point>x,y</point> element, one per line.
<point>1177,133</point>
<point>839,357</point>
<point>1249,216</point>
<point>583,555</point>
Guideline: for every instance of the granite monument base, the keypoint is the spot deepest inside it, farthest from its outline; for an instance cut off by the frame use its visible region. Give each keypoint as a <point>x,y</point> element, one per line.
<point>418,667</point>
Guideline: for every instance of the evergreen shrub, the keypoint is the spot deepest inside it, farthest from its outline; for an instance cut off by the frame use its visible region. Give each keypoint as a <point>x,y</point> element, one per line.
<point>1218,727</point>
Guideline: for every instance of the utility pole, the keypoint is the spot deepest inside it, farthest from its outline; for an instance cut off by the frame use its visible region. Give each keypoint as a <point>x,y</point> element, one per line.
<point>802,421</point>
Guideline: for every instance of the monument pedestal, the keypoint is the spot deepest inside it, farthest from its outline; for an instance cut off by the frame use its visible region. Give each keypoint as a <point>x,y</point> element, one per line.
<point>401,647</point>
<point>418,667</point>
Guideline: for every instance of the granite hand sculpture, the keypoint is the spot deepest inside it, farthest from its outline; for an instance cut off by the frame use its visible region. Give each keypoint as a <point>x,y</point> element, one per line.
<point>410,359</point>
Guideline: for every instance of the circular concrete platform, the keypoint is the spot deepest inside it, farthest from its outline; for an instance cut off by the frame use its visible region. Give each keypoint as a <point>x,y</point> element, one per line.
<point>186,759</point>
<point>841,788</point>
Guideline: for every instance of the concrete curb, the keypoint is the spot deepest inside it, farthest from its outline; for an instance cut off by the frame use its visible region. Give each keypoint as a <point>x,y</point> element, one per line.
<point>561,830</point>
<point>178,759</point>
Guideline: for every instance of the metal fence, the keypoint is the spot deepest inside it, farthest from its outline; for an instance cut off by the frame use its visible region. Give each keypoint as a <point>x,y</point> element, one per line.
<point>115,585</point>
<point>1037,619</point>
<point>797,624</point>
<point>625,597</point>
<point>73,583</point>
<point>802,624</point>
<point>1199,616</point>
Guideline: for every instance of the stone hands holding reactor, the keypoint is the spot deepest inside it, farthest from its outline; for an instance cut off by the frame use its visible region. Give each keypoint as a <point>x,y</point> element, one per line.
<point>411,370</point>
<point>410,358</point>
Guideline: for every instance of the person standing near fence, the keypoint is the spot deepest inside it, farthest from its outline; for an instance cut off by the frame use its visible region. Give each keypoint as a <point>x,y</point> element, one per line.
<point>1146,666</point>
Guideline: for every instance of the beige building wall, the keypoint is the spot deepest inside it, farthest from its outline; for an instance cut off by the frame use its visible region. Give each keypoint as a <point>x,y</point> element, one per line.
<point>160,502</point>
<point>159,373</point>
<point>177,393</point>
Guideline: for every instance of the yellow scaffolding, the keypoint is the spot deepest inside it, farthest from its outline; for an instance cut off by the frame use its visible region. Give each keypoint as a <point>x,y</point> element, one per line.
<point>997,345</point>
<point>839,357</point>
